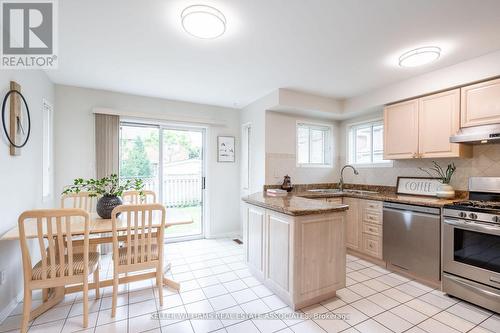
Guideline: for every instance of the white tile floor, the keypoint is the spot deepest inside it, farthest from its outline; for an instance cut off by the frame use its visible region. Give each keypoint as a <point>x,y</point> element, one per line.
<point>215,279</point>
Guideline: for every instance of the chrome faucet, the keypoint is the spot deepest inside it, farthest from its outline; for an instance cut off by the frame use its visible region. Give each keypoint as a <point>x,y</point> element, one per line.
<point>341,181</point>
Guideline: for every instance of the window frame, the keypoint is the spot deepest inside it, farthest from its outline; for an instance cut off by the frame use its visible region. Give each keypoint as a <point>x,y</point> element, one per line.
<point>351,144</point>
<point>327,151</point>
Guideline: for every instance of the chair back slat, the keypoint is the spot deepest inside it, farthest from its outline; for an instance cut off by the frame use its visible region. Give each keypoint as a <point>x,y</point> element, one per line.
<point>136,235</point>
<point>60,242</point>
<point>69,245</point>
<point>54,234</point>
<point>129,237</point>
<point>42,248</point>
<point>141,229</point>
<point>135,197</point>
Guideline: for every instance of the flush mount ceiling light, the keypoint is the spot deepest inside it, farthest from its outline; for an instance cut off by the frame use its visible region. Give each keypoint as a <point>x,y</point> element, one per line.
<point>203,21</point>
<point>420,56</point>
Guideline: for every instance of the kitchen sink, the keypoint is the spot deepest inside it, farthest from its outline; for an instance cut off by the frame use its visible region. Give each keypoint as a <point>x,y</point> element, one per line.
<point>336,190</point>
<point>325,190</point>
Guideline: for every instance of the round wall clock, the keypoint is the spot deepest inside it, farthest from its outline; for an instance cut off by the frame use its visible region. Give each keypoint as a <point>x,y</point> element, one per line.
<point>18,127</point>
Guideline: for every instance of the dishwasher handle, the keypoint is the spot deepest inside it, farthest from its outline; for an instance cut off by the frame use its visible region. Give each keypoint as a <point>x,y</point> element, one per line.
<point>412,208</point>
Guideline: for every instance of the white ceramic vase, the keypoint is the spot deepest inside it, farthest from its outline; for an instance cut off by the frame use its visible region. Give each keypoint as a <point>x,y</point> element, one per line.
<point>445,191</point>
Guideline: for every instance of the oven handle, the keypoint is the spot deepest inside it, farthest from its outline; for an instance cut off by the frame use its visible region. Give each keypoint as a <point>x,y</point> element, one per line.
<point>466,284</point>
<point>473,226</point>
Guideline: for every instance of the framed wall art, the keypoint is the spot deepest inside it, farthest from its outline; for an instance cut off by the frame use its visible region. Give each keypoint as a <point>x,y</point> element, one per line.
<point>225,149</point>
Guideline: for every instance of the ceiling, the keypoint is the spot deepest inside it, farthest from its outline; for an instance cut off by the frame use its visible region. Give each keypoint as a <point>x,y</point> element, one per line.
<point>334,48</point>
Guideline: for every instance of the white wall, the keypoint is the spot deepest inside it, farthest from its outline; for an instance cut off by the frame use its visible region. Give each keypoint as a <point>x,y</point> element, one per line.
<point>281,158</point>
<point>485,162</point>
<point>75,151</point>
<point>20,178</point>
<point>255,115</point>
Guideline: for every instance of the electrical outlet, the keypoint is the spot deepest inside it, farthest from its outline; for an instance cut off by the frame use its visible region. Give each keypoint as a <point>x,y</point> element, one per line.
<point>2,277</point>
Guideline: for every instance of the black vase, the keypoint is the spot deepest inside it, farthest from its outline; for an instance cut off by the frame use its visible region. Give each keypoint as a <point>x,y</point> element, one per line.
<point>106,204</point>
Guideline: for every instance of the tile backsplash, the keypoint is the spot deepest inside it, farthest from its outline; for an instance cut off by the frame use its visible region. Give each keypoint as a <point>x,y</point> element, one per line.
<point>485,162</point>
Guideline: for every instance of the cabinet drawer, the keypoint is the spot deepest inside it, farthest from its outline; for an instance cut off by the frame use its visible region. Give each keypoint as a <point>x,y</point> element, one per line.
<point>372,229</point>
<point>334,200</point>
<point>372,245</point>
<point>372,216</point>
<point>373,205</point>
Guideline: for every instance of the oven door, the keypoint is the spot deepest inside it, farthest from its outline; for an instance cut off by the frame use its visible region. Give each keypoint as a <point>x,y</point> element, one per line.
<point>472,250</point>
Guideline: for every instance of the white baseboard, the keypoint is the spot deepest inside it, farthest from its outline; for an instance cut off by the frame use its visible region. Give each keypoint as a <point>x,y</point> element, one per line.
<point>10,307</point>
<point>231,235</point>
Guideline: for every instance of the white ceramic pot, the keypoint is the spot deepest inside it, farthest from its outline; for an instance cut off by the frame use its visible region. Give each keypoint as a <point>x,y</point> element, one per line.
<point>445,191</point>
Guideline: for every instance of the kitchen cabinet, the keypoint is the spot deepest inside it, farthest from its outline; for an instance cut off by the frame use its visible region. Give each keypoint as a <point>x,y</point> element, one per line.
<point>255,238</point>
<point>421,128</point>
<point>401,130</point>
<point>480,104</point>
<point>364,226</point>
<point>353,223</point>
<point>439,118</point>
<point>334,200</point>
<point>302,259</point>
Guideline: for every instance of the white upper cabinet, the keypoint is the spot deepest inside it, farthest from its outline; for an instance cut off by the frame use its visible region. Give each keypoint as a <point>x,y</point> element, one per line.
<point>438,119</point>
<point>421,128</point>
<point>480,104</point>
<point>401,130</point>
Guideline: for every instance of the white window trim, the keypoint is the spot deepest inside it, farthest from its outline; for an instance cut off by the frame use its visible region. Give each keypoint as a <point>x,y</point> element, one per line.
<point>47,151</point>
<point>349,126</point>
<point>329,164</point>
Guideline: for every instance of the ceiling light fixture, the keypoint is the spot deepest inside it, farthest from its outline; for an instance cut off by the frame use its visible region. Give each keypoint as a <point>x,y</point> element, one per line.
<point>203,21</point>
<point>420,56</point>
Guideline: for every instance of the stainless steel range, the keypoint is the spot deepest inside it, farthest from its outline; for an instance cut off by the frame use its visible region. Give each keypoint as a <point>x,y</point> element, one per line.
<point>471,245</point>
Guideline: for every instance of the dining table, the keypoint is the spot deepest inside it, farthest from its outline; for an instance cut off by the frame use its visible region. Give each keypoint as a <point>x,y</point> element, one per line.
<point>99,233</point>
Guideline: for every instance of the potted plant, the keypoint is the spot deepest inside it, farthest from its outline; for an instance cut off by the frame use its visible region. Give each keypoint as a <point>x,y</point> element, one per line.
<point>109,189</point>
<point>445,190</point>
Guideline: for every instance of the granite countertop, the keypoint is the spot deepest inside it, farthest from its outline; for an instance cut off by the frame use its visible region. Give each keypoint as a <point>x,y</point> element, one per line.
<point>294,205</point>
<point>382,196</point>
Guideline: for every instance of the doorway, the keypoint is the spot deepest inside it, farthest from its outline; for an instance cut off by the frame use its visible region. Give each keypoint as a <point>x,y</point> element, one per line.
<point>170,161</point>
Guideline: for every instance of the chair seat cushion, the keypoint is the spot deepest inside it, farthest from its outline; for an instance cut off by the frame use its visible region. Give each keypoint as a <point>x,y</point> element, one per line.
<point>63,270</point>
<point>122,253</point>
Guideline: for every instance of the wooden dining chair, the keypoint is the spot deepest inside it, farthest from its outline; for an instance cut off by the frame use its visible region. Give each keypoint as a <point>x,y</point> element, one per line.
<point>88,203</point>
<point>59,265</point>
<point>81,200</point>
<point>135,197</point>
<point>143,248</point>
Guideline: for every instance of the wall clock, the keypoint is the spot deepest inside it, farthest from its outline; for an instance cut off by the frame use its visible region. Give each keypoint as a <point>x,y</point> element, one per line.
<point>16,121</point>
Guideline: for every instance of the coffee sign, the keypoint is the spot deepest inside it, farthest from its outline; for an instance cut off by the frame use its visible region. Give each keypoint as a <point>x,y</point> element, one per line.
<point>418,186</point>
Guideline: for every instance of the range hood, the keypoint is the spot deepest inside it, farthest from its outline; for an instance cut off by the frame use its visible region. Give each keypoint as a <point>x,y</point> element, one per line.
<point>478,134</point>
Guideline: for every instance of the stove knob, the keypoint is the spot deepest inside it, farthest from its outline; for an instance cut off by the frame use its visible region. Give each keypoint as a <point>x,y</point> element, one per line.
<point>473,216</point>
<point>462,214</point>
<point>496,219</point>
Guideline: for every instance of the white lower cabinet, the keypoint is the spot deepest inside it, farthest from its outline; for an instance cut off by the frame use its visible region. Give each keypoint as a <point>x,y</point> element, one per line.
<point>300,258</point>
<point>255,238</point>
<point>364,226</point>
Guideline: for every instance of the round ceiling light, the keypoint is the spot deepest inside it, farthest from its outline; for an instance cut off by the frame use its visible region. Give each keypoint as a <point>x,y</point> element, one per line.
<point>420,56</point>
<point>203,21</point>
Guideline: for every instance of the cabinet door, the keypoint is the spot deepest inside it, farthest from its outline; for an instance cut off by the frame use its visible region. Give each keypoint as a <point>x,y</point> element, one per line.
<point>439,118</point>
<point>255,237</point>
<point>334,200</point>
<point>401,130</point>
<point>278,250</point>
<point>353,223</point>
<point>480,104</point>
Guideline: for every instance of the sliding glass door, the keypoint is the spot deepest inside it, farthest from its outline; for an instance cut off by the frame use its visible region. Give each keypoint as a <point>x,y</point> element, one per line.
<point>170,161</point>
<point>183,175</point>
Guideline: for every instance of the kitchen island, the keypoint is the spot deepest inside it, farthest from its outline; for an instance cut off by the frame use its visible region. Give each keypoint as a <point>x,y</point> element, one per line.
<point>296,246</point>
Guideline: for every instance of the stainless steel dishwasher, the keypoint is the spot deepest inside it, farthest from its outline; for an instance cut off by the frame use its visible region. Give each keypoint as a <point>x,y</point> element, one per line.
<point>412,239</point>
